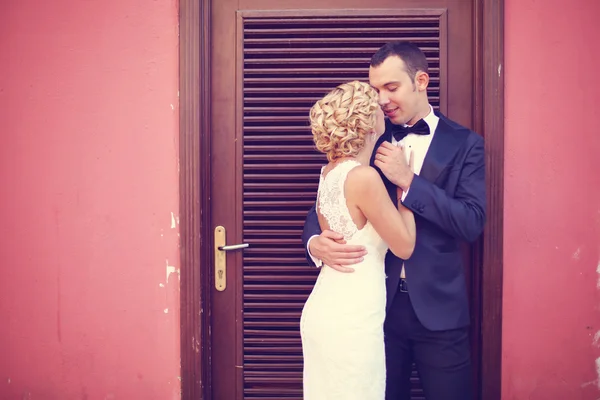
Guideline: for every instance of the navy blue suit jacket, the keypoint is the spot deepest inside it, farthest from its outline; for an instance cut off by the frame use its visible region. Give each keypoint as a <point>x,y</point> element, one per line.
<point>448,200</point>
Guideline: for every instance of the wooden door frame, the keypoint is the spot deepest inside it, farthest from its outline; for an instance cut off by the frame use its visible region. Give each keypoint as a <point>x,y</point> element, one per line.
<point>195,175</point>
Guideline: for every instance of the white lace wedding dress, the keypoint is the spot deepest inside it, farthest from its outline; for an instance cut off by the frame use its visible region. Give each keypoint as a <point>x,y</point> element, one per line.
<point>342,320</point>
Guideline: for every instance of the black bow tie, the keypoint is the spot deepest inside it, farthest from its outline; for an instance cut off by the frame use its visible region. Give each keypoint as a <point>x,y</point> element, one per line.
<point>420,128</point>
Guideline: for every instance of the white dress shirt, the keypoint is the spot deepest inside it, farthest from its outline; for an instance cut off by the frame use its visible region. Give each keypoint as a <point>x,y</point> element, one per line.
<point>419,145</point>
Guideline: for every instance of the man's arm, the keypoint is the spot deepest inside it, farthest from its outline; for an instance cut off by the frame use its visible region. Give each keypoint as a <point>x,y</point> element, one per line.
<point>328,247</point>
<point>462,215</point>
<point>311,229</point>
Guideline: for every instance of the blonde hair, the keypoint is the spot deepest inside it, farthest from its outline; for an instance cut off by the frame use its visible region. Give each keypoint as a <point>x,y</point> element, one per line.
<point>341,120</point>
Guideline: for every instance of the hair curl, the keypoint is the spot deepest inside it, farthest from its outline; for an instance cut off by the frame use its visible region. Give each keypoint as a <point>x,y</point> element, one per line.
<point>341,120</point>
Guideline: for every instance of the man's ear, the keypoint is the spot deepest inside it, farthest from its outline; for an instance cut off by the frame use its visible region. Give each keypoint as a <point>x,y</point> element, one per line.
<point>422,80</point>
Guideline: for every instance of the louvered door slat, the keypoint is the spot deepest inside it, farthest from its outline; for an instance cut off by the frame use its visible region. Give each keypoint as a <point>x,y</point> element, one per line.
<point>289,63</point>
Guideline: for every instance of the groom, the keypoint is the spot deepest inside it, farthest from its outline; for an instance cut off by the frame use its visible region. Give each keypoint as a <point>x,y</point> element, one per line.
<point>427,310</point>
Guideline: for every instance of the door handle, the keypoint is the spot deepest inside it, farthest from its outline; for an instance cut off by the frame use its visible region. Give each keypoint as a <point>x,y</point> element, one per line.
<point>234,247</point>
<point>221,248</point>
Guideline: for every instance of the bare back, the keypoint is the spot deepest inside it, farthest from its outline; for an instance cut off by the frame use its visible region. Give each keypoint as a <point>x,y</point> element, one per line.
<point>352,195</point>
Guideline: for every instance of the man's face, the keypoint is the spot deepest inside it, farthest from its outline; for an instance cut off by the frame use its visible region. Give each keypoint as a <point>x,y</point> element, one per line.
<point>398,93</point>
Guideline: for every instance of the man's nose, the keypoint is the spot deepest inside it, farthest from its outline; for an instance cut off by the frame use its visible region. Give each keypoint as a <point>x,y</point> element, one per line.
<point>383,100</point>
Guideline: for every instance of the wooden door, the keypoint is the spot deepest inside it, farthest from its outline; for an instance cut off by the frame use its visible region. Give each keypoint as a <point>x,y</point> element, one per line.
<point>269,65</point>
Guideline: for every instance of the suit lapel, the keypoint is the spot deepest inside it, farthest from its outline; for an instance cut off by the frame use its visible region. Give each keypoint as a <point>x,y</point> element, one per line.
<point>442,150</point>
<point>386,137</point>
<point>446,142</point>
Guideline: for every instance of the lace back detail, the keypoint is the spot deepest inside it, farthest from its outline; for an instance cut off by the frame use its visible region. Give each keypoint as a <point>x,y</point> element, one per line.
<point>332,200</point>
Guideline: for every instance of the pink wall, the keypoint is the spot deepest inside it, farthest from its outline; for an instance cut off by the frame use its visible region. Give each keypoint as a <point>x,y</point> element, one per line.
<point>551,334</point>
<point>89,235</point>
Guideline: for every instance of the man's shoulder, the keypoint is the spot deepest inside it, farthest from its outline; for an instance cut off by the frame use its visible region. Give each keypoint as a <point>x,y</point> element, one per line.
<point>461,132</point>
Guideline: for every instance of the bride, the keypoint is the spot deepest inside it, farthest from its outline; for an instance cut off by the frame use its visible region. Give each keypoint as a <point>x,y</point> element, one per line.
<point>342,321</point>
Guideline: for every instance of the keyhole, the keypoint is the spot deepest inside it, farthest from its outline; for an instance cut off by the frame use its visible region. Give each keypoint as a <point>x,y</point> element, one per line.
<point>220,272</point>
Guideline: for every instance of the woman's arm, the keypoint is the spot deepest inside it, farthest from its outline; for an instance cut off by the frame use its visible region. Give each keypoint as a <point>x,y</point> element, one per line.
<point>396,226</point>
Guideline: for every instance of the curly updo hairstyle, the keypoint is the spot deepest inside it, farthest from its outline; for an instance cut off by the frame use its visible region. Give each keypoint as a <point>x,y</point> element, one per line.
<point>341,120</point>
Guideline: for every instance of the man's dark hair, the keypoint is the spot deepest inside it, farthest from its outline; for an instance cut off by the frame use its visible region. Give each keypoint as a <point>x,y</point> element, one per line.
<point>413,57</point>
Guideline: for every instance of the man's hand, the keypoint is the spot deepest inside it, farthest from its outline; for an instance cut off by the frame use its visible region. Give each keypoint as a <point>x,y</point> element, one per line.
<point>391,160</point>
<point>331,248</point>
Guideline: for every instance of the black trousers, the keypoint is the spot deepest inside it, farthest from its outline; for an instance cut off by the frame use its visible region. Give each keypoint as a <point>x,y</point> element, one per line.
<point>443,358</point>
